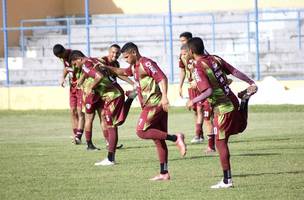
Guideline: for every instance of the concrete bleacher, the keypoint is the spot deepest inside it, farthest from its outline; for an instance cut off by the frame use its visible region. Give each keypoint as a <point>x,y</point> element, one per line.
<point>279,52</point>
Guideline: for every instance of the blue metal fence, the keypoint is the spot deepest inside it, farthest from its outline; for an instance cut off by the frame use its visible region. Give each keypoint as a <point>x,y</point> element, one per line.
<point>166,22</point>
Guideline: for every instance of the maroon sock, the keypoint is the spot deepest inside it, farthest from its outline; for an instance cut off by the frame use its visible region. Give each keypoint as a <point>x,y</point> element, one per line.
<point>223,150</point>
<point>113,138</point>
<point>211,141</point>
<point>88,135</point>
<point>75,131</point>
<point>162,150</point>
<point>198,130</point>
<point>106,134</point>
<point>152,133</point>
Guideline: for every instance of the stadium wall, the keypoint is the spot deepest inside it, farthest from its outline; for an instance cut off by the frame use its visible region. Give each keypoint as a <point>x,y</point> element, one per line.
<point>32,9</point>
<point>45,98</point>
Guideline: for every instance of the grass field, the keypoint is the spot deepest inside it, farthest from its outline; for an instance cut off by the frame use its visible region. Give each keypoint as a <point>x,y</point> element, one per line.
<point>38,160</point>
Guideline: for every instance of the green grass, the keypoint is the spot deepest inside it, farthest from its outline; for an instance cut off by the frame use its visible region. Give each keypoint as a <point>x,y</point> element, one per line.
<point>38,161</point>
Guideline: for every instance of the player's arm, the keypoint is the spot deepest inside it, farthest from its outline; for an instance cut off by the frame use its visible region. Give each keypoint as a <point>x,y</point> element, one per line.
<point>80,80</point>
<point>203,86</point>
<point>97,78</point>
<point>126,79</point>
<point>115,70</point>
<point>182,76</point>
<point>163,84</point>
<point>64,74</point>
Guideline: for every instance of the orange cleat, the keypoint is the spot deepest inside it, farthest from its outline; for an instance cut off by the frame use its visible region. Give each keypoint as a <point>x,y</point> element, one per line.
<point>161,177</point>
<point>180,143</point>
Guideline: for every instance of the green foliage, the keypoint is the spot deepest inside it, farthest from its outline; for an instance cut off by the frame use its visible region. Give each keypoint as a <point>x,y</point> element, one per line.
<point>38,160</point>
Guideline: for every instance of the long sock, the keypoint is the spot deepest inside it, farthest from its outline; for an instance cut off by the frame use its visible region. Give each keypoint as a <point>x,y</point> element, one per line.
<point>227,175</point>
<point>172,138</point>
<point>111,156</point>
<point>211,141</point>
<point>224,154</point>
<point>88,135</point>
<point>74,131</point>
<point>152,133</point>
<point>79,133</point>
<point>198,130</point>
<point>163,168</point>
<point>113,138</point>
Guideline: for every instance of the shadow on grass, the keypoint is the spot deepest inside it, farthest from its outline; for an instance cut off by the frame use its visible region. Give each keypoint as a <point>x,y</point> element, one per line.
<point>259,140</point>
<point>268,173</point>
<point>257,154</point>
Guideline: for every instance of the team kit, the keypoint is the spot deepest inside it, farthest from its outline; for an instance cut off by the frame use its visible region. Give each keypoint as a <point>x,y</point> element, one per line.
<point>94,89</point>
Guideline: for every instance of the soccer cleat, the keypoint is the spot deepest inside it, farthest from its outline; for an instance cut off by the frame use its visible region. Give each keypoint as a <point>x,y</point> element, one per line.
<point>105,162</point>
<point>131,94</point>
<point>91,147</point>
<point>221,184</point>
<point>180,143</point>
<point>197,140</point>
<point>248,92</point>
<point>210,151</point>
<point>77,140</point>
<point>161,177</point>
<point>119,146</point>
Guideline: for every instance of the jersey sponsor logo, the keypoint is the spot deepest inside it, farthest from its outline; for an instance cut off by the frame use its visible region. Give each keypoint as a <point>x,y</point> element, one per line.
<point>151,68</point>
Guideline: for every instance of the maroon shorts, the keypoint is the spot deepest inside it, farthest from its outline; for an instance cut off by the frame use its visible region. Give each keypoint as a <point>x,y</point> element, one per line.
<point>76,99</point>
<point>230,123</point>
<point>153,117</point>
<point>114,112</point>
<point>92,102</point>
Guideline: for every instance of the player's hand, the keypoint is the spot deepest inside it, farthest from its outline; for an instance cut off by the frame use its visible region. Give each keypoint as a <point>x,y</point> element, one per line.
<point>181,92</point>
<point>253,88</point>
<point>189,104</point>
<point>165,103</point>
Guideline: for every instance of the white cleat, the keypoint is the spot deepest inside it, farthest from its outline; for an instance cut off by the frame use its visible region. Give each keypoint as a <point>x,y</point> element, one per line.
<point>104,162</point>
<point>221,184</point>
<point>197,140</point>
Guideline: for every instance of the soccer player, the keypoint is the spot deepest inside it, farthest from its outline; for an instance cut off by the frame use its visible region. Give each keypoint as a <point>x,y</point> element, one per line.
<point>202,109</point>
<point>76,99</point>
<point>210,72</point>
<point>112,60</point>
<point>102,88</point>
<point>151,85</point>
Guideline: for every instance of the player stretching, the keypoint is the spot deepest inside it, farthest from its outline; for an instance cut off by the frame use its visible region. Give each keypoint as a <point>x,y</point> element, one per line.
<point>101,87</point>
<point>152,93</point>
<point>76,100</point>
<point>230,118</point>
<point>202,109</point>
<point>111,60</point>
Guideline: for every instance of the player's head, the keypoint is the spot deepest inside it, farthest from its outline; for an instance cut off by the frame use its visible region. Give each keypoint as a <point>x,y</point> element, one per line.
<point>114,52</point>
<point>196,46</point>
<point>185,50</point>
<point>130,52</point>
<point>184,37</point>
<point>59,50</point>
<point>76,58</point>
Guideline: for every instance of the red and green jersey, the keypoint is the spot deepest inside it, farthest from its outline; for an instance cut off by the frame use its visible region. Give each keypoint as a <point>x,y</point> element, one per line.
<point>105,60</point>
<point>147,75</point>
<point>211,72</point>
<point>72,72</point>
<point>107,88</point>
<point>187,64</point>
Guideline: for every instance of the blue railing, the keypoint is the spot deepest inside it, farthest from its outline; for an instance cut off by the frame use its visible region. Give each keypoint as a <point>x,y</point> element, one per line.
<point>166,22</point>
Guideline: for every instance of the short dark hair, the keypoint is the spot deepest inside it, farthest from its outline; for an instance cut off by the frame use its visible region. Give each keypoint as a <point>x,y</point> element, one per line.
<point>196,45</point>
<point>75,54</point>
<point>128,47</point>
<point>115,46</point>
<point>187,35</point>
<point>58,49</point>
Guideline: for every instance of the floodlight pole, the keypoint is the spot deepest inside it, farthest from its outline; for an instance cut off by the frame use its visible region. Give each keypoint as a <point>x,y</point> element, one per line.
<point>87,22</point>
<point>258,75</point>
<point>4,15</point>
<point>171,43</point>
